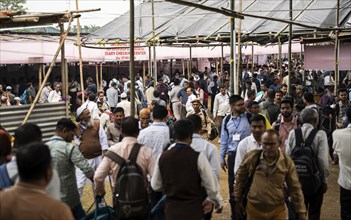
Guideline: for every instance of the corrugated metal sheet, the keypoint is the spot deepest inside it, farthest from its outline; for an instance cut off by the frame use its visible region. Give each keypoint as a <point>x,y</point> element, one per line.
<point>44,115</point>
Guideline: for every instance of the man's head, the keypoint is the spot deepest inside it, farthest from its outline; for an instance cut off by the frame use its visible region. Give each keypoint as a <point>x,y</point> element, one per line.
<point>118,112</point>
<point>251,95</point>
<point>65,128</point>
<point>92,97</point>
<point>113,84</point>
<point>189,91</point>
<point>237,104</point>
<point>253,107</point>
<point>222,89</point>
<point>157,93</point>
<point>258,125</point>
<point>197,123</point>
<point>271,94</point>
<point>185,85</point>
<point>309,115</point>
<point>248,85</point>
<point>263,86</point>
<point>226,84</point>
<point>270,144</point>
<point>286,108</point>
<point>183,131</point>
<point>284,88</point>
<point>144,117</point>
<point>342,94</point>
<point>278,97</point>
<point>176,82</point>
<point>308,98</point>
<point>8,88</point>
<point>26,134</point>
<point>58,87</point>
<point>299,90</point>
<point>34,164</point>
<point>196,105</point>
<point>130,127</point>
<point>159,113</point>
<point>124,96</point>
<point>101,96</point>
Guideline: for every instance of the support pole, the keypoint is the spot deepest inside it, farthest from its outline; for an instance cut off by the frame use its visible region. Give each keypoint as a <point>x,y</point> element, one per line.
<point>190,63</point>
<point>154,40</point>
<point>131,59</point>
<point>232,50</point>
<point>40,74</point>
<point>239,64</point>
<point>63,67</point>
<point>183,68</point>
<point>150,63</point>
<point>67,100</point>
<point>97,77</point>
<point>216,61</point>
<point>80,56</point>
<point>279,53</point>
<point>289,52</point>
<point>101,86</point>
<point>144,73</point>
<point>337,48</point>
<point>253,58</point>
<point>222,60</point>
<point>48,73</point>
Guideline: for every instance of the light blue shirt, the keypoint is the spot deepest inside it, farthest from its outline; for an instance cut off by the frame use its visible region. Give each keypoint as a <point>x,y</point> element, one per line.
<point>236,126</point>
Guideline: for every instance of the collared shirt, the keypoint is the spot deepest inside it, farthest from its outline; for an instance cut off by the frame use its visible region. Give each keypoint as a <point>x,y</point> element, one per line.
<point>189,105</point>
<point>112,96</point>
<point>205,120</point>
<point>145,160</point>
<point>156,137</point>
<point>267,188</point>
<point>54,96</point>
<point>319,146</point>
<point>173,94</point>
<point>284,130</point>
<point>221,105</point>
<point>45,94</point>
<point>113,133</point>
<point>341,145</point>
<point>183,96</point>
<point>150,94</point>
<point>28,201</point>
<point>246,145</point>
<point>208,149</point>
<point>102,138</point>
<point>229,139</point>
<point>94,111</point>
<point>65,157</point>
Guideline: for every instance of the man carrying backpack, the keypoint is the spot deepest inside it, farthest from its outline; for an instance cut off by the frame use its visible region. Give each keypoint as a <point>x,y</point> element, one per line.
<point>308,147</point>
<point>140,164</point>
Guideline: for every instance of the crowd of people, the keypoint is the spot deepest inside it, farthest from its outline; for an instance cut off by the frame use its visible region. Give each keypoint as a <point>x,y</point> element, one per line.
<point>275,144</point>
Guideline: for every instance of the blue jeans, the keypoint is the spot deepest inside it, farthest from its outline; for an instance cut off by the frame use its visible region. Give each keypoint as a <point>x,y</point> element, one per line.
<point>78,212</point>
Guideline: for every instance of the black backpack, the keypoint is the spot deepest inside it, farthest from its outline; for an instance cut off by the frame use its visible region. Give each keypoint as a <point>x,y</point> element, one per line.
<point>305,161</point>
<point>130,196</point>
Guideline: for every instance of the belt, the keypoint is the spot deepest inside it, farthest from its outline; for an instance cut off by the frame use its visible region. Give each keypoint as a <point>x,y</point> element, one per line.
<point>175,101</point>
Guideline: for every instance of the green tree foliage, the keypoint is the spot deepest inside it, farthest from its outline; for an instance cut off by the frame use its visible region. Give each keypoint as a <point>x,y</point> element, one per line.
<point>85,28</point>
<point>15,5</point>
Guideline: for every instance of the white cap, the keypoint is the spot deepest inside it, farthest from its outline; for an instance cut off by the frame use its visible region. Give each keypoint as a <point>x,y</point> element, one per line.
<point>123,95</point>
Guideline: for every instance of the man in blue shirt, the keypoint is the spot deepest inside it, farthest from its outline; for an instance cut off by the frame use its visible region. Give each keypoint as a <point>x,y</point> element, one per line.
<point>235,127</point>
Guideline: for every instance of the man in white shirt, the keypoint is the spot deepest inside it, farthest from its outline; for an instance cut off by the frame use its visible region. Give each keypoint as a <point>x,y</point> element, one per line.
<point>45,93</point>
<point>150,93</point>
<point>92,106</point>
<point>125,104</point>
<point>176,104</point>
<point>258,127</point>
<point>221,107</point>
<point>55,95</point>
<point>341,145</point>
<point>112,96</point>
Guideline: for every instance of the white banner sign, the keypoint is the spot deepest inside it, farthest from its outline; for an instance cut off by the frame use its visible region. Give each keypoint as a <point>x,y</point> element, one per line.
<point>123,53</point>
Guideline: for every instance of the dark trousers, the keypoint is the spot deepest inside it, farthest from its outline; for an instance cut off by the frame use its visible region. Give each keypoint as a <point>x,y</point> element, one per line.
<point>345,203</point>
<point>231,178</point>
<point>212,101</point>
<point>78,212</point>
<point>313,205</point>
<point>73,101</point>
<point>155,197</point>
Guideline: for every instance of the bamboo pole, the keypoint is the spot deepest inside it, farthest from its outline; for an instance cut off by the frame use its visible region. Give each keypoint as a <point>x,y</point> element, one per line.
<point>289,51</point>
<point>47,74</point>
<point>183,68</point>
<point>80,55</point>
<point>150,64</point>
<point>239,64</point>
<point>190,62</point>
<point>101,86</point>
<point>97,77</point>
<point>222,59</point>
<point>154,40</point>
<point>40,74</point>
<point>232,49</point>
<point>131,59</point>
<point>43,71</point>
<point>144,74</point>
<point>279,53</point>
<point>337,48</point>
<point>253,58</point>
<point>67,100</point>
<point>63,68</point>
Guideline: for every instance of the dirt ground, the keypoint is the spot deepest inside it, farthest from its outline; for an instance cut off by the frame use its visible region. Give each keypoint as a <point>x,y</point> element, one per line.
<point>330,208</point>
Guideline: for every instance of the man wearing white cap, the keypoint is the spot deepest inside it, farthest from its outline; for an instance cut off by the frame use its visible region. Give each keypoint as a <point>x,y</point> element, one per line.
<point>92,141</point>
<point>9,94</point>
<point>125,104</point>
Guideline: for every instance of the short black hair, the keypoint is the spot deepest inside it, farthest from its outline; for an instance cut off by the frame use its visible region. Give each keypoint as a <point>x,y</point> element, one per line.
<point>235,98</point>
<point>159,112</point>
<point>287,101</point>
<point>308,96</point>
<point>342,90</point>
<point>284,85</point>
<point>157,93</point>
<point>118,109</point>
<point>92,96</point>
<point>65,123</point>
<point>26,134</point>
<point>197,122</point>
<point>176,81</point>
<point>271,93</point>
<point>130,126</point>
<point>183,129</point>
<point>33,161</point>
<point>279,91</point>
<point>252,103</point>
<point>258,117</point>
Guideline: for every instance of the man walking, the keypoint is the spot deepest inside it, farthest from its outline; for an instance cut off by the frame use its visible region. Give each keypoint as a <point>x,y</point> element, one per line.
<point>112,96</point>
<point>309,118</point>
<point>235,127</point>
<point>65,157</point>
<point>206,121</point>
<point>221,107</point>
<point>113,133</point>
<point>270,170</point>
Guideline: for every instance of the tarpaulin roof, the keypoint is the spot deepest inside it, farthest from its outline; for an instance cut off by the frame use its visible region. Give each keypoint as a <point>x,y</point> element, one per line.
<point>177,23</point>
